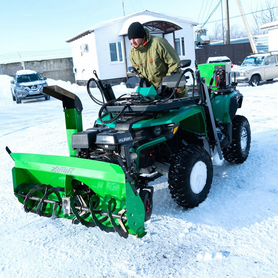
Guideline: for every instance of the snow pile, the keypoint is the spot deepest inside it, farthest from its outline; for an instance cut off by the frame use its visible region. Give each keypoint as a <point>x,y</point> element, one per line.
<point>233,233</point>
<point>5,92</point>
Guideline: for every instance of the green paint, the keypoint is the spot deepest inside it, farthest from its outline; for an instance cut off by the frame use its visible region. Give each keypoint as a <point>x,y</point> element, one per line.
<point>107,180</point>
<point>149,92</point>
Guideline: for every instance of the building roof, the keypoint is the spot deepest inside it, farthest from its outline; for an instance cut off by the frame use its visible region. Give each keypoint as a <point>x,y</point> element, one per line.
<point>152,22</point>
<point>261,42</point>
<point>270,25</point>
<point>158,21</point>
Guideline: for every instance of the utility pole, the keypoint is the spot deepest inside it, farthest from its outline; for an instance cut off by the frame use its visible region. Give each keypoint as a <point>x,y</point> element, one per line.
<point>123,7</point>
<point>245,22</point>
<point>21,61</point>
<point>228,39</point>
<point>222,22</point>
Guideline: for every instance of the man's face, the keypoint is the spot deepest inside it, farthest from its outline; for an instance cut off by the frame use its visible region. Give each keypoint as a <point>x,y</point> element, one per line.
<point>136,42</point>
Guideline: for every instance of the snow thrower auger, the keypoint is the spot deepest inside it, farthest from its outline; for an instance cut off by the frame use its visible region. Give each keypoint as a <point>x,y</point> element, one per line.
<point>137,138</point>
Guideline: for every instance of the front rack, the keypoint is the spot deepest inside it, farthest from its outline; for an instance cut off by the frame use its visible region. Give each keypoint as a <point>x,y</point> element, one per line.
<point>154,107</point>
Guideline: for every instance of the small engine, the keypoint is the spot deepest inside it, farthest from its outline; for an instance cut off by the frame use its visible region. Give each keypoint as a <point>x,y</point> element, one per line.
<point>103,144</point>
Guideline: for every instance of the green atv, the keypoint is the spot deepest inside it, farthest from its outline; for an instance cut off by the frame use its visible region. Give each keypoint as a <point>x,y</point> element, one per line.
<point>137,138</point>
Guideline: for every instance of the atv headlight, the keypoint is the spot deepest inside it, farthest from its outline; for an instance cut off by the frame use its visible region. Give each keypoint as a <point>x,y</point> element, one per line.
<point>113,138</point>
<point>104,139</point>
<point>157,130</point>
<point>166,130</point>
<point>172,128</point>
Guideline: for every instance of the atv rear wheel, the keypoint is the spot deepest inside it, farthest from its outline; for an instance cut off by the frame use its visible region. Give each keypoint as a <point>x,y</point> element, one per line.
<point>190,176</point>
<point>238,151</point>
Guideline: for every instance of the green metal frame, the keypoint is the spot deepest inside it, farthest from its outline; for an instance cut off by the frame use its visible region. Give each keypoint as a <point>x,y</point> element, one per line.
<point>73,119</point>
<point>149,92</point>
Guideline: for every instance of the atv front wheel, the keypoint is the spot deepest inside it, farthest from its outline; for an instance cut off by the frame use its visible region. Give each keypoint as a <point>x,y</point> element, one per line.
<point>190,176</point>
<point>146,195</point>
<point>238,151</point>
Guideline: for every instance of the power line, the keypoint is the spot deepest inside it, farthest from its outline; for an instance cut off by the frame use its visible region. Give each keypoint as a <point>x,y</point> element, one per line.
<point>212,12</point>
<point>123,7</point>
<point>204,9</point>
<point>201,11</point>
<point>236,16</point>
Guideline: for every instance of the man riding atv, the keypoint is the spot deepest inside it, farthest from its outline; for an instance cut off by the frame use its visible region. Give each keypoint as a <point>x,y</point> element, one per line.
<point>138,137</point>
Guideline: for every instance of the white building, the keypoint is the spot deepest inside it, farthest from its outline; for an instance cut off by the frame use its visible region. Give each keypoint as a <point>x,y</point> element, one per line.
<point>272,28</point>
<point>106,47</point>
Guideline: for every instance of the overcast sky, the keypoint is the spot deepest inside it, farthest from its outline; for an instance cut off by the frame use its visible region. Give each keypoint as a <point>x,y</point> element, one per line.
<point>46,25</point>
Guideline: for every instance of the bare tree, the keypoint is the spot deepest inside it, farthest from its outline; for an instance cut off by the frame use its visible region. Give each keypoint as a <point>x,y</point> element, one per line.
<point>237,32</point>
<point>266,13</point>
<point>217,34</point>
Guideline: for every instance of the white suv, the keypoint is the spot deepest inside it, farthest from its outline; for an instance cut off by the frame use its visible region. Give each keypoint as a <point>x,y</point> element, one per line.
<point>28,84</point>
<point>258,67</point>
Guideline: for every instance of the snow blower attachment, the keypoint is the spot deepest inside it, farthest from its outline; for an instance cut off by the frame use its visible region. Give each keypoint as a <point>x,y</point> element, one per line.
<point>94,193</point>
<point>137,138</point>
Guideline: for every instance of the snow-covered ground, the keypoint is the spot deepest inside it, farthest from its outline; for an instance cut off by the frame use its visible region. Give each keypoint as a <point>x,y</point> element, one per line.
<point>233,233</point>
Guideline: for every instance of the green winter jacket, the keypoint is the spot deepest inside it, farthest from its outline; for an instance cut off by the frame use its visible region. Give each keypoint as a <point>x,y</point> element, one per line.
<point>155,60</point>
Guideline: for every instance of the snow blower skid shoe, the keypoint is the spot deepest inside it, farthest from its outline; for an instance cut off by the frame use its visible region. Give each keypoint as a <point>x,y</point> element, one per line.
<point>90,192</point>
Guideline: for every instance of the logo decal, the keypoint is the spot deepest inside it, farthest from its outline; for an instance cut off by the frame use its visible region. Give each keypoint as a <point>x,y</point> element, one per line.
<point>62,170</point>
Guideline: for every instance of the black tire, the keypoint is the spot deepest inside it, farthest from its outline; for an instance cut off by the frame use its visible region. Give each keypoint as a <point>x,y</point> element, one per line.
<point>146,194</point>
<point>190,176</point>
<point>255,80</point>
<point>18,100</point>
<point>238,151</point>
<point>47,97</point>
<point>13,95</point>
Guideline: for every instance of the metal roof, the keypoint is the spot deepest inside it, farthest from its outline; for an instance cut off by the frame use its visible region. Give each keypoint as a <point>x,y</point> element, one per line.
<point>153,23</point>
<point>270,25</point>
<point>152,20</point>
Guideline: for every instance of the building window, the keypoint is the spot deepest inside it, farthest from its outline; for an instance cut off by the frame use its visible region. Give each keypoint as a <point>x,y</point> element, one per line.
<point>120,51</point>
<point>84,48</point>
<point>180,46</point>
<point>116,54</point>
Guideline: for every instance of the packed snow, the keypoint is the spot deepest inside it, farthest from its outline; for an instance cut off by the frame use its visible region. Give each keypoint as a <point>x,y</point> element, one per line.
<point>233,233</point>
